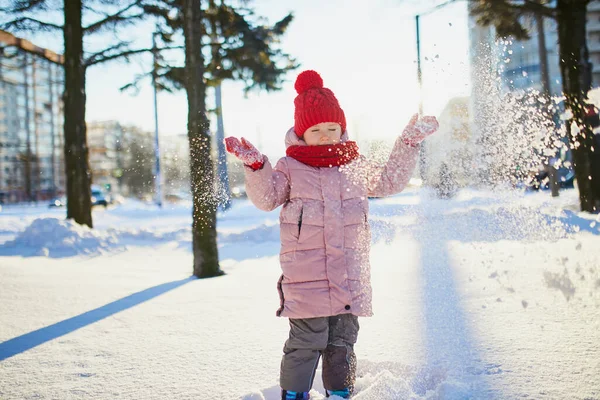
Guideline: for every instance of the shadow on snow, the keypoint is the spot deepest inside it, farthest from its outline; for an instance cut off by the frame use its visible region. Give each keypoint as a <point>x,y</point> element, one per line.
<point>33,339</point>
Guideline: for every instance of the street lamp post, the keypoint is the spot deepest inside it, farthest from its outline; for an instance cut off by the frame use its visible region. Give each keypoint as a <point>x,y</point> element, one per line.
<point>419,71</point>
<point>157,174</point>
<point>422,150</point>
<point>222,174</point>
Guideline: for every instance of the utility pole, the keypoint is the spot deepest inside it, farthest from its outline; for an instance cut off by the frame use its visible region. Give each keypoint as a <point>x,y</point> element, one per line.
<point>418,37</point>
<point>223,176</point>
<point>422,151</point>
<point>222,181</point>
<point>419,71</point>
<point>157,175</point>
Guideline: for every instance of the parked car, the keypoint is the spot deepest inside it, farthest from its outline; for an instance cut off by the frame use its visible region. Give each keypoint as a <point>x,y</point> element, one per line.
<point>541,179</point>
<point>99,198</point>
<point>58,202</point>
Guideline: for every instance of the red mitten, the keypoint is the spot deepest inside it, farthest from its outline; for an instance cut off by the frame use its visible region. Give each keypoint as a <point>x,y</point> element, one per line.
<point>418,129</point>
<point>245,152</point>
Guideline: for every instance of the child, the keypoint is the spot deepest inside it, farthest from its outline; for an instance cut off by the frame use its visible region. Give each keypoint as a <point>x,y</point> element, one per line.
<point>323,185</point>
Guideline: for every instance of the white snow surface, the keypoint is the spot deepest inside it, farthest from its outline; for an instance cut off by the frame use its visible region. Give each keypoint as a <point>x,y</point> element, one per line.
<point>485,296</point>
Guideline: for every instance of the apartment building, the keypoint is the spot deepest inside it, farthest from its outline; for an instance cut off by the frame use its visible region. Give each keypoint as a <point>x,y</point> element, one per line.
<point>31,139</point>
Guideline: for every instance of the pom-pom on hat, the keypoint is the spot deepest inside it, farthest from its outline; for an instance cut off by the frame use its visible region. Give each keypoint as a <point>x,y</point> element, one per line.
<point>314,103</point>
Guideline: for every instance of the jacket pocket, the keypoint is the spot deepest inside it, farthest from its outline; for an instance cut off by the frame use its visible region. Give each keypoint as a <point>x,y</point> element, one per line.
<point>290,225</point>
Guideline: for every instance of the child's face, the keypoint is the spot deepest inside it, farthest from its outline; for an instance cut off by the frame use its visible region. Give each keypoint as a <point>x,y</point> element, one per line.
<point>323,134</point>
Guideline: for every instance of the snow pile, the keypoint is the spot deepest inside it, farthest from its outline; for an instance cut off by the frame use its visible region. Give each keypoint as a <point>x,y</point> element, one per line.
<point>476,218</point>
<point>507,222</point>
<point>392,380</point>
<point>260,234</point>
<point>53,237</point>
<point>388,380</point>
<point>149,235</point>
<point>522,223</point>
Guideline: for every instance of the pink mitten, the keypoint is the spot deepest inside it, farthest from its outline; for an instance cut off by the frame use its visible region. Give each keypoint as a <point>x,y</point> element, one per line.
<point>245,152</point>
<point>418,129</point>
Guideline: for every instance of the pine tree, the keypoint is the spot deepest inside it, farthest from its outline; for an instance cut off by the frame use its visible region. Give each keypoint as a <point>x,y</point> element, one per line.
<point>236,49</point>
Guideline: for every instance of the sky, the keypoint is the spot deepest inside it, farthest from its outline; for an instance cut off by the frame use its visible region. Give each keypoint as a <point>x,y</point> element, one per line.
<point>365,54</point>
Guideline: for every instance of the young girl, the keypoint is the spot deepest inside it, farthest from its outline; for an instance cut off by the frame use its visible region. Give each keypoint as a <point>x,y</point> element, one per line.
<point>323,185</point>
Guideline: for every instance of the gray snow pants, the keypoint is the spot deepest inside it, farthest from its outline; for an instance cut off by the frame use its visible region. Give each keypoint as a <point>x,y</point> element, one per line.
<point>334,338</point>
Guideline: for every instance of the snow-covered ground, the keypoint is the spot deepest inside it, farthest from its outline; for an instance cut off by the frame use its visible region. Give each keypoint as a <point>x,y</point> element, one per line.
<point>485,296</point>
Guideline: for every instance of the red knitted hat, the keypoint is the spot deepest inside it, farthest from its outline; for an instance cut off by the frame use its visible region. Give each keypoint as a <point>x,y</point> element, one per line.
<point>315,104</point>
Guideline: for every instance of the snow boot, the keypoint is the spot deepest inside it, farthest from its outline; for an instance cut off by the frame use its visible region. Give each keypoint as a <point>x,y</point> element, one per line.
<point>291,395</point>
<point>344,393</point>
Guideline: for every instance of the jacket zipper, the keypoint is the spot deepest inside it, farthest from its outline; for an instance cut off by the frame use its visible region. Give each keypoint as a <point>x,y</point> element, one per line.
<point>300,221</point>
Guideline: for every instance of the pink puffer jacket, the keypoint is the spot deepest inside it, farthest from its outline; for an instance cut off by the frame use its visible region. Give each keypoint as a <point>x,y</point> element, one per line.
<point>325,234</point>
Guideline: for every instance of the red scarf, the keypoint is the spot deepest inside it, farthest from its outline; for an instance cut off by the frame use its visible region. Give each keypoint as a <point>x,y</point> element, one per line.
<point>330,155</point>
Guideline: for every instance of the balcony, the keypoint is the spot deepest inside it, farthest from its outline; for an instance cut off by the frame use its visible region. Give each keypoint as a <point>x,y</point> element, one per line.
<point>594,47</point>
<point>593,6</point>
<point>593,25</point>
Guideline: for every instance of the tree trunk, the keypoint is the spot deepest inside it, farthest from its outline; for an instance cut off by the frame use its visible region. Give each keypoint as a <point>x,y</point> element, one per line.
<point>77,168</point>
<point>576,73</point>
<point>204,232</point>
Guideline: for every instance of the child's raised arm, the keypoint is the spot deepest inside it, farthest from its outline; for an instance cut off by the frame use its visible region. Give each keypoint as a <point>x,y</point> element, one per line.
<point>395,174</point>
<point>266,187</point>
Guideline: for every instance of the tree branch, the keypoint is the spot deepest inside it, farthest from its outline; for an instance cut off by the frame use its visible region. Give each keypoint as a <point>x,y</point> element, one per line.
<point>30,25</point>
<point>134,86</point>
<point>27,6</point>
<point>104,56</point>
<point>114,19</point>
<point>93,59</point>
<point>532,6</point>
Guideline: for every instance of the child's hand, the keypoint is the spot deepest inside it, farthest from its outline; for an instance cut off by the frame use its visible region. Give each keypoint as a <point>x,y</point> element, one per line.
<point>245,152</point>
<point>418,129</point>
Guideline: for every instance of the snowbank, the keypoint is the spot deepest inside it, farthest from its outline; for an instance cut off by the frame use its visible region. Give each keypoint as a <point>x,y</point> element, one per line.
<point>473,216</point>
<point>53,237</point>
<point>57,238</point>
